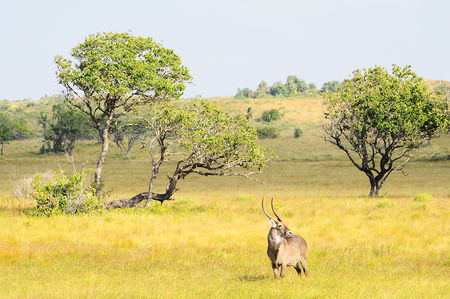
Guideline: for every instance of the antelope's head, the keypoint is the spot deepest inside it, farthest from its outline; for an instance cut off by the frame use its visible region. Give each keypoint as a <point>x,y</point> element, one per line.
<point>277,224</point>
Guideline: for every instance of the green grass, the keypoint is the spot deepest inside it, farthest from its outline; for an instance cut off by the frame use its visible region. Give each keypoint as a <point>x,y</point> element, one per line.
<point>211,241</point>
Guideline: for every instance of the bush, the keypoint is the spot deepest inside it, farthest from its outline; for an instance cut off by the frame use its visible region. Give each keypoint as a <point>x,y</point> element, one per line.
<point>267,132</point>
<point>64,195</point>
<point>423,197</point>
<point>271,115</point>
<point>298,132</point>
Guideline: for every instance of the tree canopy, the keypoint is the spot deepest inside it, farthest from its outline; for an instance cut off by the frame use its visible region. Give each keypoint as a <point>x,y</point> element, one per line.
<point>114,72</point>
<point>378,118</point>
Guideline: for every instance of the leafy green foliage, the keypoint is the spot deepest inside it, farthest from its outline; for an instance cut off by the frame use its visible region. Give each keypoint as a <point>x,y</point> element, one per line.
<point>270,115</point>
<point>5,105</point>
<point>249,114</point>
<point>298,133</point>
<point>210,134</point>
<point>65,195</point>
<point>65,128</point>
<point>293,86</point>
<point>331,86</point>
<point>378,118</point>
<point>121,66</point>
<point>244,93</point>
<point>12,129</point>
<point>267,132</point>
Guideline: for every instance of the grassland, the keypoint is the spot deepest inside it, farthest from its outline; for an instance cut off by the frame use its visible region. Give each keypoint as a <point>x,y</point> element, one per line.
<point>211,241</point>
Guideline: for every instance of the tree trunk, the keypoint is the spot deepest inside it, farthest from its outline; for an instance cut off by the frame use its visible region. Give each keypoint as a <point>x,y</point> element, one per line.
<point>374,188</point>
<point>150,186</point>
<point>121,149</point>
<point>1,151</point>
<point>101,160</point>
<point>135,200</point>
<point>373,191</point>
<point>374,185</point>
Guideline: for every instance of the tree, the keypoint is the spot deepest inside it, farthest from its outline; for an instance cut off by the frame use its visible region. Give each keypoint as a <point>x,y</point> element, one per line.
<point>65,128</point>
<point>6,131</point>
<point>244,93</point>
<point>115,72</point>
<point>206,141</point>
<point>378,118</point>
<point>278,89</point>
<point>299,83</point>
<point>331,86</point>
<point>262,90</point>
<point>312,86</point>
<point>11,129</point>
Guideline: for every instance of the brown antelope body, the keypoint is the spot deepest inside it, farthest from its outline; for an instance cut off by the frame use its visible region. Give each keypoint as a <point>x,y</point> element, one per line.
<point>284,247</point>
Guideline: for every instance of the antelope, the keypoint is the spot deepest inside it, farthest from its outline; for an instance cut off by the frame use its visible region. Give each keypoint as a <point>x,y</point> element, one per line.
<point>284,247</point>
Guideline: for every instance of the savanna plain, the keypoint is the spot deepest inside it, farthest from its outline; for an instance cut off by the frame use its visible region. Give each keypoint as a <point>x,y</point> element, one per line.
<point>211,241</point>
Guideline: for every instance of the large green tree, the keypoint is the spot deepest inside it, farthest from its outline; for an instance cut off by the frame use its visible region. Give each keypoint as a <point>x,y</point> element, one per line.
<point>378,118</point>
<point>114,72</point>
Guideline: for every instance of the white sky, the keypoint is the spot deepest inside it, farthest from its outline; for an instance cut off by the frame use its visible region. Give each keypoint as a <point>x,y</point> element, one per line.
<point>230,44</point>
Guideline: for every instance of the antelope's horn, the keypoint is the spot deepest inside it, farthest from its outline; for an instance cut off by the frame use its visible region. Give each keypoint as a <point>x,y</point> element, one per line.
<point>264,210</point>
<point>278,217</point>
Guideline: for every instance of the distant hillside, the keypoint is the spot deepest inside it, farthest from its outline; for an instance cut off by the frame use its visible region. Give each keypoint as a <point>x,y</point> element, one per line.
<point>30,110</point>
<point>433,84</point>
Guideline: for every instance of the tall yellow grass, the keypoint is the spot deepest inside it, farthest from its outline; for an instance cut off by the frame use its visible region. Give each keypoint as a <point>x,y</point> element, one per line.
<point>211,247</point>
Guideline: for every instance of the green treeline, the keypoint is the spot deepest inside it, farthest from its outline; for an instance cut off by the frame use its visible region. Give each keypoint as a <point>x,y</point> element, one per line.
<point>294,86</point>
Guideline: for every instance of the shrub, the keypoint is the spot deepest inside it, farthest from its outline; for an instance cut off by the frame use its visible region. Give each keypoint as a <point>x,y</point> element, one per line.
<point>298,132</point>
<point>423,197</point>
<point>271,115</point>
<point>249,114</point>
<point>267,132</point>
<point>64,195</point>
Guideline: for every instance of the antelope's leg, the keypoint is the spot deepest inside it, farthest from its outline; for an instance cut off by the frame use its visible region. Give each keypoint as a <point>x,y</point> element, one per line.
<point>304,265</point>
<point>283,268</point>
<point>298,268</point>
<point>275,270</point>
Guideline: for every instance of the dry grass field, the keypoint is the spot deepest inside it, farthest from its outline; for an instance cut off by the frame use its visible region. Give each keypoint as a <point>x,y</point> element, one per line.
<point>211,241</point>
